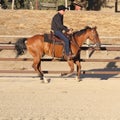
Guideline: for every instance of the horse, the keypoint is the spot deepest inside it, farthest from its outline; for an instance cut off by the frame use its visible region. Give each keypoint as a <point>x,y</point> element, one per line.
<point>38,47</point>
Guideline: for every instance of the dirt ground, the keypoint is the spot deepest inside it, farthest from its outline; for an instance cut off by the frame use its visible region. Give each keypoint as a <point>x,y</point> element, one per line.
<point>24,97</point>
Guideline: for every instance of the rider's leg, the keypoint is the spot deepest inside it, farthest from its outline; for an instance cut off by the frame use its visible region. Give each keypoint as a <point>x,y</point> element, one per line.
<point>65,39</point>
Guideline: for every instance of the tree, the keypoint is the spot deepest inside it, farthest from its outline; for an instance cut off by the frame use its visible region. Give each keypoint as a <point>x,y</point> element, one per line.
<point>3,4</point>
<point>95,4</point>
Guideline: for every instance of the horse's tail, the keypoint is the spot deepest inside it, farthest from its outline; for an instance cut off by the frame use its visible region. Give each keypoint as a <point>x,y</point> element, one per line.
<point>20,46</point>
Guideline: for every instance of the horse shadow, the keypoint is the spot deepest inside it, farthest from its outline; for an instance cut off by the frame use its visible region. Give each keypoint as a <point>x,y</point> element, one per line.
<point>111,66</point>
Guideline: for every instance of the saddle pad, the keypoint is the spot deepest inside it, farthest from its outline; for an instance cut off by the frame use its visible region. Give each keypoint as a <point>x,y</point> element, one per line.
<point>48,38</point>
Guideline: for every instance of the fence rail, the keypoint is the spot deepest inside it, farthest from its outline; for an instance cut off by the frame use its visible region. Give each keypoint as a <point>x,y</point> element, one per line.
<point>22,36</point>
<point>58,72</point>
<point>10,46</point>
<point>49,59</point>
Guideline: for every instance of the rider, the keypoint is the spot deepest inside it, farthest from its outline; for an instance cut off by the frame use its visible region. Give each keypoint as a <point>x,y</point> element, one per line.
<point>58,27</point>
<point>75,5</point>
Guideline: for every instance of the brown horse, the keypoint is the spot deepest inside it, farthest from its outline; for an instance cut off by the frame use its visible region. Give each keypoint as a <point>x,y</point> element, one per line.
<point>38,47</point>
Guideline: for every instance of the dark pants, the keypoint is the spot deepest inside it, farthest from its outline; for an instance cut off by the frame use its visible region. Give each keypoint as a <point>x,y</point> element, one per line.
<point>65,39</point>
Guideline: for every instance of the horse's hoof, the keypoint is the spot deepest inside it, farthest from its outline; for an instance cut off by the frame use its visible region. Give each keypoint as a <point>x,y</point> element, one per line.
<point>42,80</point>
<point>78,79</point>
<point>63,74</point>
<point>45,80</point>
<point>48,80</point>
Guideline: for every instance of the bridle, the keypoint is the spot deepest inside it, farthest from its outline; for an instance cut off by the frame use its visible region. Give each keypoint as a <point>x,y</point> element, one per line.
<point>95,35</point>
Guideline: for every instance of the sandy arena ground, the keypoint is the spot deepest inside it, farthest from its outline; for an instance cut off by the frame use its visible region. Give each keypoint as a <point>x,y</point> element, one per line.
<point>24,97</point>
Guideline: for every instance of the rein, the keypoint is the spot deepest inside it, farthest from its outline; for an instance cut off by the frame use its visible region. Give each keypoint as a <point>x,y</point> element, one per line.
<point>73,41</point>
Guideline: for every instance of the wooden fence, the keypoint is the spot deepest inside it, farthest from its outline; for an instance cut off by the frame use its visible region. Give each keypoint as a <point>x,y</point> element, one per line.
<point>102,48</point>
<point>82,60</point>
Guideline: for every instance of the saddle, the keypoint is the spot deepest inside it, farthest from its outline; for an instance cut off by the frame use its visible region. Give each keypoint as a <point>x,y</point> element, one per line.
<point>53,39</point>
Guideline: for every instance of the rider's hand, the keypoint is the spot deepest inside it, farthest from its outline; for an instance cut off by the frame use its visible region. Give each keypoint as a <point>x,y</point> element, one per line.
<point>70,31</point>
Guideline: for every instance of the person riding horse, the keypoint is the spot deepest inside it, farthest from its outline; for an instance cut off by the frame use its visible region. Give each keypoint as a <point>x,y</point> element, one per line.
<point>38,47</point>
<point>58,27</point>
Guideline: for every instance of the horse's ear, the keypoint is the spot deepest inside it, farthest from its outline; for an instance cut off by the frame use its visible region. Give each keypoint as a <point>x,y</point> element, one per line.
<point>95,27</point>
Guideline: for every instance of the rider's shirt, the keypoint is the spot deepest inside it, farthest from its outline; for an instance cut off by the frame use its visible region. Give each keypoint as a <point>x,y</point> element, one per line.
<point>57,23</point>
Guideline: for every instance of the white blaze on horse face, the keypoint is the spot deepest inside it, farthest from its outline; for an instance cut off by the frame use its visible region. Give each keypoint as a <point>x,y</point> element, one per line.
<point>94,35</point>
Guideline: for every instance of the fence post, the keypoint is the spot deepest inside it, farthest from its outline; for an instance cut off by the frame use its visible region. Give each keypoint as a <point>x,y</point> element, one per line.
<point>65,3</point>
<point>87,51</point>
<point>36,4</point>
<point>116,3</point>
<point>13,2</point>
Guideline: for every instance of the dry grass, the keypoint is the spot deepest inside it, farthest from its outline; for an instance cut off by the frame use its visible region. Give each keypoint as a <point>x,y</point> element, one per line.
<point>32,22</point>
<point>29,22</point>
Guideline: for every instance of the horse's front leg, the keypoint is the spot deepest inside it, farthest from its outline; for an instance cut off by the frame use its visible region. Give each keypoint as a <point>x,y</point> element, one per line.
<point>78,70</point>
<point>71,65</point>
<point>40,71</point>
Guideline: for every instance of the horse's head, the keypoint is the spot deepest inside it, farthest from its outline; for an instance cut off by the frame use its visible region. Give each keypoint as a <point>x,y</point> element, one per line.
<point>93,35</point>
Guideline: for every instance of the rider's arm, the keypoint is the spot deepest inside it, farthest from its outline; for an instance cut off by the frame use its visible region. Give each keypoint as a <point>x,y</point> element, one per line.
<point>59,23</point>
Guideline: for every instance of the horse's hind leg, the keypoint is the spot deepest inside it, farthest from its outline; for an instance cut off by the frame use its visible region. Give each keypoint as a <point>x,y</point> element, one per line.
<point>37,67</point>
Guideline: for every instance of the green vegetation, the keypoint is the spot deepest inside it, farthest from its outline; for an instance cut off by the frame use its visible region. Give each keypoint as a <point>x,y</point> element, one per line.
<point>52,4</point>
<point>27,4</point>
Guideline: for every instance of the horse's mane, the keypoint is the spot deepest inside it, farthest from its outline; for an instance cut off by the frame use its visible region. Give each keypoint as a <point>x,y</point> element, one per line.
<point>78,33</point>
